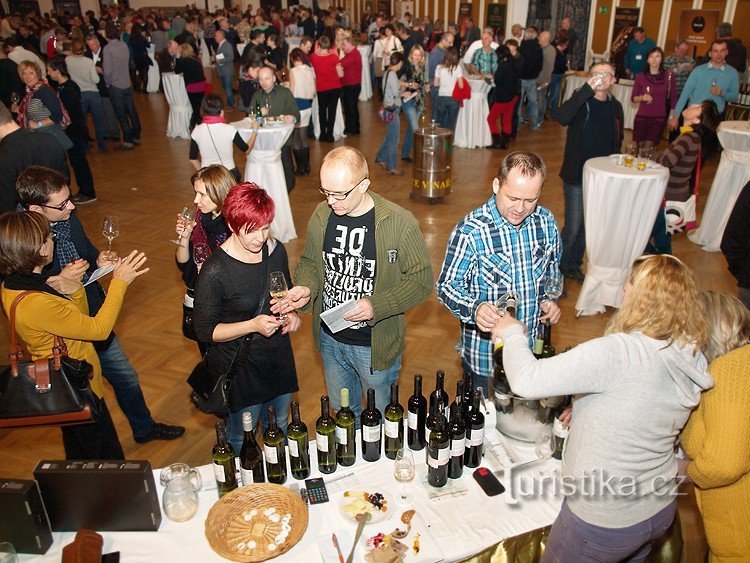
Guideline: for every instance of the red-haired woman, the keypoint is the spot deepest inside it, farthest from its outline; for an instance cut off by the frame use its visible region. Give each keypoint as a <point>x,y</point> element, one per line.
<point>232,307</point>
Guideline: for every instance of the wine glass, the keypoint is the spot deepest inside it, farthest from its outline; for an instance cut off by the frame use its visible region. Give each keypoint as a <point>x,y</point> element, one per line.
<point>544,446</point>
<point>187,214</point>
<point>110,229</point>
<point>278,288</point>
<point>14,98</point>
<point>403,471</point>
<point>508,302</point>
<point>648,91</point>
<point>553,284</point>
<point>201,252</point>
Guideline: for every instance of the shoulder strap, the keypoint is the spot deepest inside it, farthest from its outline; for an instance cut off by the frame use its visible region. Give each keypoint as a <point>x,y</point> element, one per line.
<point>214,144</point>
<point>59,347</point>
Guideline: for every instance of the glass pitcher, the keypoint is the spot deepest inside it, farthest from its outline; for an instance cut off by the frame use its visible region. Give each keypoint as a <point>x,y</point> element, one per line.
<point>180,500</point>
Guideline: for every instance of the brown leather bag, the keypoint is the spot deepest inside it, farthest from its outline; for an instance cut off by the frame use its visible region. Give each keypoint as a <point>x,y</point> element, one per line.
<point>46,392</point>
<point>85,548</point>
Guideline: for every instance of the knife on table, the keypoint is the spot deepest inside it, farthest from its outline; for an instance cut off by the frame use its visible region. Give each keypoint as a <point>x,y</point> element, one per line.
<point>335,541</point>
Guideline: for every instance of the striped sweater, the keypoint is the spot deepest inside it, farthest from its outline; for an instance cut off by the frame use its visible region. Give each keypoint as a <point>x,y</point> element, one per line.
<point>680,157</point>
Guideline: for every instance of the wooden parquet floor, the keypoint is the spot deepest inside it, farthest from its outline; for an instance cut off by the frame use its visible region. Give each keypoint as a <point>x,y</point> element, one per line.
<point>146,187</point>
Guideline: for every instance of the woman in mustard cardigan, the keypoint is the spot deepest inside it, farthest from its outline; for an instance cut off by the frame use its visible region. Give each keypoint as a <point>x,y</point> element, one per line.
<point>717,436</point>
<point>58,307</point>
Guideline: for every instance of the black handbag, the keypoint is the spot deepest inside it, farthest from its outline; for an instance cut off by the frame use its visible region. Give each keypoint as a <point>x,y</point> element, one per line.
<point>46,392</point>
<point>210,388</point>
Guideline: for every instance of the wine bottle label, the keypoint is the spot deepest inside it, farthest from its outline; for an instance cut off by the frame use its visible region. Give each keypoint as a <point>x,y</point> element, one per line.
<point>321,442</point>
<point>443,455</point>
<point>412,420</point>
<point>427,433</point>
<point>558,429</point>
<point>247,476</point>
<point>458,447</point>
<point>219,472</point>
<point>371,433</point>
<point>271,454</point>
<point>476,437</point>
<point>341,436</point>
<point>293,448</point>
<point>391,428</point>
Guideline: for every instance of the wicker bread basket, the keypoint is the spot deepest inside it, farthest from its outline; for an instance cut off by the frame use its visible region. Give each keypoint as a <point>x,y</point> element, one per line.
<point>256,523</point>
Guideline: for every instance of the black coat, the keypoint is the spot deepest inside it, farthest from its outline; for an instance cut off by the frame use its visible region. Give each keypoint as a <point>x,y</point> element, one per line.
<point>533,58</point>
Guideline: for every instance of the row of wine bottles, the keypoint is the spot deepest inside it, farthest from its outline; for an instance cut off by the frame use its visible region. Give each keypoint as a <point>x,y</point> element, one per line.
<point>744,98</point>
<point>449,445</point>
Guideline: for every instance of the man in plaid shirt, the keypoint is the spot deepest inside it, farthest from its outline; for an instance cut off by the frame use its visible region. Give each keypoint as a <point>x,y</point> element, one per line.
<point>510,243</point>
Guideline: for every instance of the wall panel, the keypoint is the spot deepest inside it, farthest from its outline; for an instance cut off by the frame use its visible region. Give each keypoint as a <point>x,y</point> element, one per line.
<point>651,19</point>
<point>741,24</point>
<point>600,37</point>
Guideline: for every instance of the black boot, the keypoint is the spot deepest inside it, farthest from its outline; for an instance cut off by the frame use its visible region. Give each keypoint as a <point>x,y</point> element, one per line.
<point>305,154</point>
<point>504,140</point>
<point>495,141</point>
<point>299,161</point>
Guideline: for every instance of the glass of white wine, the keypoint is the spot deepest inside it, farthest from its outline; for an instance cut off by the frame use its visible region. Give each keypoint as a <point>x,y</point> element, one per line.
<point>403,471</point>
<point>278,288</point>
<point>187,214</point>
<point>110,229</point>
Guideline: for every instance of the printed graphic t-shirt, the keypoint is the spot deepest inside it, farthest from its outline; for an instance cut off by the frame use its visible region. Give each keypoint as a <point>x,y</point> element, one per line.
<point>349,265</point>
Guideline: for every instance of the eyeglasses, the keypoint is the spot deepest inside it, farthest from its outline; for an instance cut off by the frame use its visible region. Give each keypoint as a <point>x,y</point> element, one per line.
<point>602,74</point>
<point>340,196</point>
<point>59,207</point>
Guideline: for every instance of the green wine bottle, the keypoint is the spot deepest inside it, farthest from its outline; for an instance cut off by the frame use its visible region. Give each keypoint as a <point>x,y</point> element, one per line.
<point>325,438</point>
<point>346,444</point>
<point>273,447</point>
<point>372,433</point>
<point>223,458</point>
<point>558,430</point>
<point>299,446</point>
<point>251,458</point>
<point>438,450</point>
<point>394,424</point>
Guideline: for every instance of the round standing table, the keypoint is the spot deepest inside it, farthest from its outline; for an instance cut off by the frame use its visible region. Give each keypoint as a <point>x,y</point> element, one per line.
<point>472,129</point>
<point>366,92</point>
<point>264,168</point>
<point>619,208</point>
<point>180,110</point>
<point>153,72</point>
<point>731,176</point>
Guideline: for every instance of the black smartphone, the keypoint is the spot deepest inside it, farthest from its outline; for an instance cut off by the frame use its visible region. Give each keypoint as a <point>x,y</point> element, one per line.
<point>489,483</point>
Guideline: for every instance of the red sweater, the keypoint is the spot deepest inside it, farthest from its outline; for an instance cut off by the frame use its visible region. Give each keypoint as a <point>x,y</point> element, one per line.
<point>325,71</point>
<point>352,68</point>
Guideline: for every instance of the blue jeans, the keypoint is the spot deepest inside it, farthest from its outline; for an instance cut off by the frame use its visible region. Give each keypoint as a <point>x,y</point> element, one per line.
<point>389,147</point>
<point>553,94</point>
<point>661,240</point>
<point>573,233</point>
<point>351,367</point>
<point>412,123</point>
<point>123,378</point>
<point>92,102</point>
<point>235,431</point>
<point>226,83</point>
<point>127,116</point>
<point>528,89</point>
<point>447,112</point>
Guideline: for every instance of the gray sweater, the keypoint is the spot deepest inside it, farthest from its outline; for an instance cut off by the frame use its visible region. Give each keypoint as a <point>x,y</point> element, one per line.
<point>82,71</point>
<point>632,396</point>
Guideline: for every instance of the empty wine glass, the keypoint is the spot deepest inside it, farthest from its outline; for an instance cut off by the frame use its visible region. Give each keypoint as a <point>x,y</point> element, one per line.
<point>278,288</point>
<point>110,229</point>
<point>553,284</point>
<point>544,443</point>
<point>187,214</point>
<point>403,471</point>
<point>201,252</point>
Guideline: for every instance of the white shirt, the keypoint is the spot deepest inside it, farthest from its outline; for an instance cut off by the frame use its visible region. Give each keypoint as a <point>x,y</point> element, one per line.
<point>215,143</point>
<point>448,79</point>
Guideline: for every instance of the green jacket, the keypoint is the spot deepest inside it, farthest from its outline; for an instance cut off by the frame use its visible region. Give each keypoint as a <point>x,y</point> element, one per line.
<point>400,284</point>
<point>280,102</point>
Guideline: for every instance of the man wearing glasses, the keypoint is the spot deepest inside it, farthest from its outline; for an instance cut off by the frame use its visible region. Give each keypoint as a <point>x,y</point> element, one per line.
<point>364,250</point>
<point>595,121</point>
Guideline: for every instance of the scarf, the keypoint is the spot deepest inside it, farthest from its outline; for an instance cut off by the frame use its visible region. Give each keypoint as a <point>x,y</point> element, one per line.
<point>209,119</point>
<point>686,129</point>
<point>65,250</point>
<point>30,282</point>
<point>209,232</point>
<point>30,91</point>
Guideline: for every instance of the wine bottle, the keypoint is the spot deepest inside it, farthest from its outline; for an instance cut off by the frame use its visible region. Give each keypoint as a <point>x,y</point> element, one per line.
<point>394,424</point>
<point>560,432</point>
<point>223,458</point>
<point>372,434</point>
<point>457,432</point>
<point>273,447</point>
<point>258,113</point>
<point>548,351</point>
<point>474,434</point>
<point>325,438</point>
<point>439,395</point>
<point>468,396</point>
<point>538,348</point>
<point>438,450</point>
<point>457,403</point>
<point>417,413</point>
<point>346,445</point>
<point>251,458</point>
<point>500,385</point>
<point>299,445</point>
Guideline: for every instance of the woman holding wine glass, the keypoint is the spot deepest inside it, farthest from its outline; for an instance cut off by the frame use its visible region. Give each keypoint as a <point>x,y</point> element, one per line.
<point>232,313</point>
<point>197,238</point>
<point>633,390</point>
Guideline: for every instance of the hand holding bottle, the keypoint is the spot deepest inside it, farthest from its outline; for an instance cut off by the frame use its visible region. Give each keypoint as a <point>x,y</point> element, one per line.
<point>551,312</point>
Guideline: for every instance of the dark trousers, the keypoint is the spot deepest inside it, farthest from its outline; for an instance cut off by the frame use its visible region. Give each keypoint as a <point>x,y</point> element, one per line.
<point>127,116</point>
<point>327,102</point>
<point>350,101</point>
<point>211,44</point>
<point>80,165</point>
<point>97,440</point>
<point>195,102</point>
<point>288,164</point>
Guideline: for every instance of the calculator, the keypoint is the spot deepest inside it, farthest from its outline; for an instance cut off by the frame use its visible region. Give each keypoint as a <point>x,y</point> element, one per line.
<point>316,490</point>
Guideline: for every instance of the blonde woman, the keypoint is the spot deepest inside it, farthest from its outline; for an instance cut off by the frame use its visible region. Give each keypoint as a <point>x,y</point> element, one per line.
<point>633,390</point>
<point>716,436</point>
<point>414,81</point>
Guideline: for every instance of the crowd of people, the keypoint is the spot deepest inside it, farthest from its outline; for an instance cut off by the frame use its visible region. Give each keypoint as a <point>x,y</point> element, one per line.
<point>368,251</point>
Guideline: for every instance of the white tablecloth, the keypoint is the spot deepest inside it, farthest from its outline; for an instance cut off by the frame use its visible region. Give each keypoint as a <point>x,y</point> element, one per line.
<point>366,92</point>
<point>153,72</point>
<point>619,208</point>
<point>205,55</point>
<point>451,528</point>
<point>472,129</point>
<point>264,168</point>
<point>338,124</point>
<point>293,43</point>
<point>180,109</point>
<point>620,91</point>
<point>731,176</point>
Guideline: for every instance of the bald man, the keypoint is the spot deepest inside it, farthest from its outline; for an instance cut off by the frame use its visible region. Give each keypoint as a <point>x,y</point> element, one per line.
<point>545,77</point>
